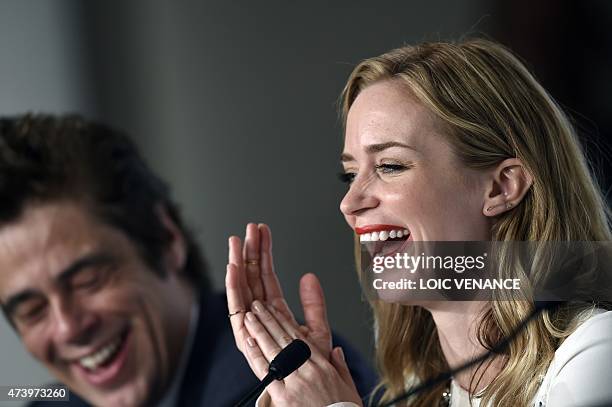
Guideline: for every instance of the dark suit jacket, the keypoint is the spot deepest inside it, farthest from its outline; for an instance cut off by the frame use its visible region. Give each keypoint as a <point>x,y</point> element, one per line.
<point>217,373</point>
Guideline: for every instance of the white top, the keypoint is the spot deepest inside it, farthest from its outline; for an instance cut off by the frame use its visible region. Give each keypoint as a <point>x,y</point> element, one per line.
<point>580,373</point>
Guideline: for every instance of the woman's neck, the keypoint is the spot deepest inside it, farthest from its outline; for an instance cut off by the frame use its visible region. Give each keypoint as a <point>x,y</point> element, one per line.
<point>457,326</point>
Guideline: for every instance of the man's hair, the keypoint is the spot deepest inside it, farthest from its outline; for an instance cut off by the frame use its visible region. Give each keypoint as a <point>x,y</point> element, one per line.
<point>47,158</point>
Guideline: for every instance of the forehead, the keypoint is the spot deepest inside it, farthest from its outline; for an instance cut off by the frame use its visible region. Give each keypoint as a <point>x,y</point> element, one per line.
<point>388,111</point>
<point>44,241</point>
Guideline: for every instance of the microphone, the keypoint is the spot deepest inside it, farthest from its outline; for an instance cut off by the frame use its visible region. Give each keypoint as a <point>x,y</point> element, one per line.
<point>288,360</point>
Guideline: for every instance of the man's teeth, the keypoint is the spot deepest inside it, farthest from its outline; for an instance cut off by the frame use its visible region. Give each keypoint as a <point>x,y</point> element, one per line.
<point>94,360</point>
<point>383,235</point>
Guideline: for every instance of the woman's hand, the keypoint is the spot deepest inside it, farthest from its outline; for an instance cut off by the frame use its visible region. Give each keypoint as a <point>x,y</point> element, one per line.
<point>250,276</point>
<point>320,381</point>
<point>251,283</point>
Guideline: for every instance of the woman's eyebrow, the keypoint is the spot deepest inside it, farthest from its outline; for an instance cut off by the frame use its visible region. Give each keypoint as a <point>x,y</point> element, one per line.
<point>376,148</point>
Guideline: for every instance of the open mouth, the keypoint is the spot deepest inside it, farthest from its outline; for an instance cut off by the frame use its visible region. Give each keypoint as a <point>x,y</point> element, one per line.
<point>383,240</point>
<point>392,235</point>
<point>103,365</point>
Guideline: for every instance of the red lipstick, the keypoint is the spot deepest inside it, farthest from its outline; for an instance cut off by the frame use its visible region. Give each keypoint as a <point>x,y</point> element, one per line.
<point>377,228</point>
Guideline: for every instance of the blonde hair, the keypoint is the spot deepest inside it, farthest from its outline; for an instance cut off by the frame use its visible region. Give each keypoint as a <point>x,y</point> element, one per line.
<point>493,109</point>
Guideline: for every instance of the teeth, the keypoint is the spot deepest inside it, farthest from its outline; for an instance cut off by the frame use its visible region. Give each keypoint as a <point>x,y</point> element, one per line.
<point>94,360</point>
<point>383,235</point>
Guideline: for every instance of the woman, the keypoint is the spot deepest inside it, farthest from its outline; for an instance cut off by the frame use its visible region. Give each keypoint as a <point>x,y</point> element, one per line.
<point>447,142</point>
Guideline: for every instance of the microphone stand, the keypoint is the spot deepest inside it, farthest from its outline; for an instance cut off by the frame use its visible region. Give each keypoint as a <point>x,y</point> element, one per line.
<point>287,361</point>
<point>256,391</point>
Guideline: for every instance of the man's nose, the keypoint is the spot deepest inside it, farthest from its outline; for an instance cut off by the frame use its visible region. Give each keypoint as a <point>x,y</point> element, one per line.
<point>359,197</point>
<point>73,324</point>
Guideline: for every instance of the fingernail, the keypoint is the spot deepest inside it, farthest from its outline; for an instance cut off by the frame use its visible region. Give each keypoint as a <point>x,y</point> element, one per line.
<point>257,306</point>
<point>250,316</point>
<point>251,342</point>
<point>341,354</point>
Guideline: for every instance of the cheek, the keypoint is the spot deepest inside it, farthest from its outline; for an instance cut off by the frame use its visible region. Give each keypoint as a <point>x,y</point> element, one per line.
<point>414,197</point>
<point>149,312</point>
<point>116,301</point>
<point>436,208</point>
<point>37,343</point>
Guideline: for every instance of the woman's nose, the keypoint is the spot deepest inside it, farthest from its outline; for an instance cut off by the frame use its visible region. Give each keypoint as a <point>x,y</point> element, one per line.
<point>358,198</point>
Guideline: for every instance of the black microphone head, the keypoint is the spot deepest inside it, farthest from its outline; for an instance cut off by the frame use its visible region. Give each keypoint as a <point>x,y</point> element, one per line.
<point>289,359</point>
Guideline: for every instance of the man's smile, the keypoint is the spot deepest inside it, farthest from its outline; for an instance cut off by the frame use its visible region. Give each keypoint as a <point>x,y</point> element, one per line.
<point>101,367</point>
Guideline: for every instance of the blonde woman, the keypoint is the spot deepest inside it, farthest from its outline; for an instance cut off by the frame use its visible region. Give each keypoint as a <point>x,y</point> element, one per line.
<point>447,142</point>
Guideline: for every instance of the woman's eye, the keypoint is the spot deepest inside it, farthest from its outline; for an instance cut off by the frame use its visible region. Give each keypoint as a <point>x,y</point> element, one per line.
<point>347,177</point>
<point>390,168</point>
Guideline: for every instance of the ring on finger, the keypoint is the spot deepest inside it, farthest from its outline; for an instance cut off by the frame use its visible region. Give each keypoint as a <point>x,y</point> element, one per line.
<point>252,262</point>
<point>231,314</point>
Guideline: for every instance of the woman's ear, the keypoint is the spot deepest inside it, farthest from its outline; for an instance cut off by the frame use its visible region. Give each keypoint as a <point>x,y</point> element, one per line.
<point>175,254</point>
<point>508,183</point>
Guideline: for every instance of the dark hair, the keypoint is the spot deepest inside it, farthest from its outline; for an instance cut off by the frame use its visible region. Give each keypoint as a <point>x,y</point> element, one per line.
<point>47,158</point>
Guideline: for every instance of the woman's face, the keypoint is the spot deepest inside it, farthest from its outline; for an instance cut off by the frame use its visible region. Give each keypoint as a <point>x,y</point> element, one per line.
<point>404,175</point>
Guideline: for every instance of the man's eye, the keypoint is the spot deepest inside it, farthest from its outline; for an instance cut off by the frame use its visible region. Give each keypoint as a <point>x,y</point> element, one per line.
<point>390,168</point>
<point>30,313</point>
<point>347,177</point>
<point>86,279</point>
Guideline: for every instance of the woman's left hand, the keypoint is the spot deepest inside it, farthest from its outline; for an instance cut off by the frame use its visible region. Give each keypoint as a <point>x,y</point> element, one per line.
<point>318,382</point>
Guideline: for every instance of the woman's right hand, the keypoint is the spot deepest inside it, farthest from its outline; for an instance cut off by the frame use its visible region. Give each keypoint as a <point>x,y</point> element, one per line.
<point>250,277</point>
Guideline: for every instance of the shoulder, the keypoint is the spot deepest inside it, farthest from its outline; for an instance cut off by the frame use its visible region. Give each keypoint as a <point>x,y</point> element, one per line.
<point>596,327</point>
<point>593,335</point>
<point>580,371</point>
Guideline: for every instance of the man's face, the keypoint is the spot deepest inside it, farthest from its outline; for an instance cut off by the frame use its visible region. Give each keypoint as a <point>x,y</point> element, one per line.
<point>86,305</point>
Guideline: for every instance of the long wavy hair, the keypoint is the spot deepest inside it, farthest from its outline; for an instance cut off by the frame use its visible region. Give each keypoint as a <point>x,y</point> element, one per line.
<point>492,109</point>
